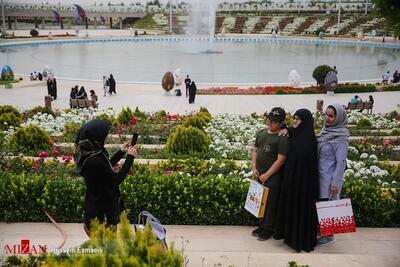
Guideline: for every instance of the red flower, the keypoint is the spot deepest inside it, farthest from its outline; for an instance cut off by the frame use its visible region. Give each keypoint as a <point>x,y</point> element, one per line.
<point>43,154</point>
<point>50,142</point>
<point>56,152</point>
<point>171,116</point>
<point>132,121</point>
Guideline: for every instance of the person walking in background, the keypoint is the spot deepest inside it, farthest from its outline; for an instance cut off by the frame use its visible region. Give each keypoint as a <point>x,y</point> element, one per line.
<point>333,143</point>
<point>103,199</point>
<point>268,156</point>
<point>297,214</point>
<point>187,83</point>
<point>192,92</point>
<point>111,84</point>
<point>105,85</point>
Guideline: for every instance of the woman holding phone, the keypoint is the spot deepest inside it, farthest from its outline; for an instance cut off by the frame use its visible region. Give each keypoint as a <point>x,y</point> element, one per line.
<point>103,198</point>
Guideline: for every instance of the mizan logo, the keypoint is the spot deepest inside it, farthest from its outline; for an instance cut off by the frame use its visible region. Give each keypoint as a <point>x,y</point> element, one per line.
<point>25,248</point>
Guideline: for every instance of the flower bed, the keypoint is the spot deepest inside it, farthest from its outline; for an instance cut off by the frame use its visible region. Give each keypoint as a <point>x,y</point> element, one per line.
<point>272,90</point>
<point>269,90</point>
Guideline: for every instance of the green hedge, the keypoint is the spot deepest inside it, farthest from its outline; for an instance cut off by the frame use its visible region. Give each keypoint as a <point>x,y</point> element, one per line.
<point>190,191</point>
<point>355,88</point>
<point>173,199</point>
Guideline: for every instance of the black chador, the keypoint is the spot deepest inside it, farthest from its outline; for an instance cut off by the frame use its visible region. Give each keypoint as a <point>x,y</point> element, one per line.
<point>297,214</point>
<point>192,92</point>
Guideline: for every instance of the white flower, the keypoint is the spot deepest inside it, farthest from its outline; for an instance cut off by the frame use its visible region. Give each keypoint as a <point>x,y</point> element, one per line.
<point>364,156</point>
<point>219,175</point>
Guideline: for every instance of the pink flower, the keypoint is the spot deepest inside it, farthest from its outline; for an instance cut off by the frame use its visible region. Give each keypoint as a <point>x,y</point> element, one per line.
<point>386,142</point>
<point>67,158</point>
<point>56,153</point>
<point>43,154</point>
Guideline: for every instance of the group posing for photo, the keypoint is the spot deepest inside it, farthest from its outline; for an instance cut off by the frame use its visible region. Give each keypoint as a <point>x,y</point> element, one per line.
<point>299,168</point>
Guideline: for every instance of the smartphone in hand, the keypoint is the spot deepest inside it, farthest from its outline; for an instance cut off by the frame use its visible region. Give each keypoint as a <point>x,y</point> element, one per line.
<point>134,139</point>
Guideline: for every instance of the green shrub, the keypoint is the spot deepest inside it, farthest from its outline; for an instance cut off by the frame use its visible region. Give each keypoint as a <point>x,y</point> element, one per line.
<point>280,91</point>
<point>373,206</point>
<point>198,121</point>
<point>392,87</point>
<point>43,110</point>
<point>9,116</point>
<point>205,115</point>
<point>202,197</point>
<point>9,109</point>
<point>110,119</point>
<point>20,195</point>
<point>355,88</point>
<point>320,73</point>
<point>71,130</point>
<point>186,140</point>
<point>119,248</point>
<point>364,124</point>
<point>9,119</point>
<point>125,115</point>
<point>34,33</point>
<point>63,198</point>
<point>395,173</point>
<point>310,91</point>
<point>139,113</point>
<point>27,139</point>
<point>393,115</point>
<point>161,113</point>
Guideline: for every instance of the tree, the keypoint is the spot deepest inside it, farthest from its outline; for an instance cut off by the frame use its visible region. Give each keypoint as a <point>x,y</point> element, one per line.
<point>390,10</point>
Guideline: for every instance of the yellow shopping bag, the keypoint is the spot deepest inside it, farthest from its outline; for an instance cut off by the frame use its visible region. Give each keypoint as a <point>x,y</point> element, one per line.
<point>256,199</point>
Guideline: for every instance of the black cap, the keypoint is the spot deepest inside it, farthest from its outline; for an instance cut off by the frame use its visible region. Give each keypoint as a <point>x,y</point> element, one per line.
<point>277,114</point>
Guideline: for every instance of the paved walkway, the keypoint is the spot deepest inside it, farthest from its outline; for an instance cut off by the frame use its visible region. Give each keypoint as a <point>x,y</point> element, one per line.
<point>27,94</point>
<point>226,245</point>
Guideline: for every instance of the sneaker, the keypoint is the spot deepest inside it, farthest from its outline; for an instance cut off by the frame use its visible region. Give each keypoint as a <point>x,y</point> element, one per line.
<point>256,232</point>
<point>264,235</point>
<point>326,240</point>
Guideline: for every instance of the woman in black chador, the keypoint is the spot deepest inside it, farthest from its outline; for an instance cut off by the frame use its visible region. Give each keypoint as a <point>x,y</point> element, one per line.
<point>111,84</point>
<point>192,92</point>
<point>103,198</point>
<point>297,214</point>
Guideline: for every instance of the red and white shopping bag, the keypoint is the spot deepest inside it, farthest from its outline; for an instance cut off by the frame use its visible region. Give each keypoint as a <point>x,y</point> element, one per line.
<point>336,217</point>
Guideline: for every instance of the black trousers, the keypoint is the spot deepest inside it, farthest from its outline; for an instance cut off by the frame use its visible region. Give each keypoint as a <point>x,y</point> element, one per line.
<point>271,210</point>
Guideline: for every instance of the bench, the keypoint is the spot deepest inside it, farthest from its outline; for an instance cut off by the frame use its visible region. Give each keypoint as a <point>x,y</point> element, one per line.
<point>82,103</point>
<point>361,106</point>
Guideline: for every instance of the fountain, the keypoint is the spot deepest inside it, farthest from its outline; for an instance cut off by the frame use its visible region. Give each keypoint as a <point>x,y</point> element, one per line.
<point>201,23</point>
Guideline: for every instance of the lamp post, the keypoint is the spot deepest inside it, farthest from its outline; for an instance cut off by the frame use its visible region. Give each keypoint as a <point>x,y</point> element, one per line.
<point>338,20</point>
<point>2,15</point>
<point>366,7</point>
<point>170,16</point>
